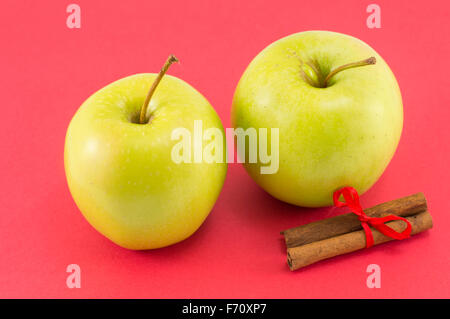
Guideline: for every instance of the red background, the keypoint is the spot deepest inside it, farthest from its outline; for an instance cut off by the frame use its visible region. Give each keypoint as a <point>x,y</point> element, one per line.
<point>48,70</point>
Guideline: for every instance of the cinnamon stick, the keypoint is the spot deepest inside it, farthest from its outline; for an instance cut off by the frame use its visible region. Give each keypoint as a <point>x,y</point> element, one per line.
<point>346,223</point>
<point>310,253</point>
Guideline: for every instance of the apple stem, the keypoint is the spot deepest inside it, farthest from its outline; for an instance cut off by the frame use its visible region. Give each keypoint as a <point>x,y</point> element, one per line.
<point>371,60</point>
<point>171,59</point>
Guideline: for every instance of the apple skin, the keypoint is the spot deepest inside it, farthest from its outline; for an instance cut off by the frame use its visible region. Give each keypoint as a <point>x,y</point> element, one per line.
<point>341,135</point>
<point>121,174</point>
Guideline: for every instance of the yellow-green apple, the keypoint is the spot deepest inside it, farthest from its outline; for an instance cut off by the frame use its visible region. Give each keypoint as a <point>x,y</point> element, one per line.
<point>119,166</point>
<point>338,108</point>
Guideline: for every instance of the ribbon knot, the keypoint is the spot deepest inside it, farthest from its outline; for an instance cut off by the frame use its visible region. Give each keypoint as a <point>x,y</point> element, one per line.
<point>363,219</point>
<point>351,198</point>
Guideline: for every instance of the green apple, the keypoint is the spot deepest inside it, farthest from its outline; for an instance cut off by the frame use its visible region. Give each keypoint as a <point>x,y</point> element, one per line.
<point>339,115</point>
<point>119,166</point>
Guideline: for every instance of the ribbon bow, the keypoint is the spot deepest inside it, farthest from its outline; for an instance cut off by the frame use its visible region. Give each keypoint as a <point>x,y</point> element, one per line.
<point>351,198</point>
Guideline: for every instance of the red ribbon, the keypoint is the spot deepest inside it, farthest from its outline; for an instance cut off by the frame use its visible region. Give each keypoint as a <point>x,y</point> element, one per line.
<point>351,198</point>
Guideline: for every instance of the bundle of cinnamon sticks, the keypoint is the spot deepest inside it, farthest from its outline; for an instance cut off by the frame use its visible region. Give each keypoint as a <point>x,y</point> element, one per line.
<point>343,234</point>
